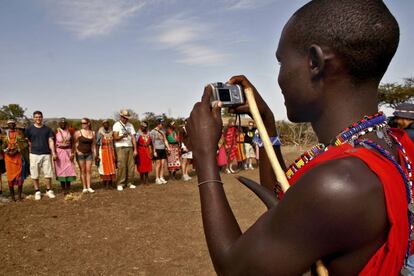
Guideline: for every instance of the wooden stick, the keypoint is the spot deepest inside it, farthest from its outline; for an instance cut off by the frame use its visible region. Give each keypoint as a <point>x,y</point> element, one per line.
<point>277,169</point>
<point>280,174</point>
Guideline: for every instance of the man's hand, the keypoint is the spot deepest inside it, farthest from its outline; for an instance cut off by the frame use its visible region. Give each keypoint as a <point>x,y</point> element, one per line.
<point>135,153</point>
<point>265,112</point>
<point>54,156</point>
<point>205,126</point>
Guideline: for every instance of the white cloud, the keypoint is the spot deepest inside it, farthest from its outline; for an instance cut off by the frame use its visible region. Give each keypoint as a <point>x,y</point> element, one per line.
<point>178,35</point>
<point>190,39</point>
<point>90,18</point>
<point>245,4</point>
<point>200,55</point>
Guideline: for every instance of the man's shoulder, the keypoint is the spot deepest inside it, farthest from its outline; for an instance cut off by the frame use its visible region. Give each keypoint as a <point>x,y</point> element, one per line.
<point>338,186</point>
<point>349,173</point>
<point>47,128</point>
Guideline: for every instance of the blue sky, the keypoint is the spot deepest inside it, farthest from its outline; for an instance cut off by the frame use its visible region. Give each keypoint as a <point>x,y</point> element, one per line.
<point>91,58</point>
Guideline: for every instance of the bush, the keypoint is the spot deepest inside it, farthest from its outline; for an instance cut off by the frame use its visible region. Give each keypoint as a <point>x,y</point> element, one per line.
<point>296,134</point>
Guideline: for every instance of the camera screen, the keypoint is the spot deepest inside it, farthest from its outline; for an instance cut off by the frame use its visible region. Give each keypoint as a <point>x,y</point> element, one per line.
<point>224,95</point>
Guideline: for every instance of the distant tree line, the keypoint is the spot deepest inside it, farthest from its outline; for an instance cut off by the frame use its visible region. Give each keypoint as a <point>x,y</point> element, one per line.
<point>15,111</point>
<point>389,94</point>
<point>393,94</point>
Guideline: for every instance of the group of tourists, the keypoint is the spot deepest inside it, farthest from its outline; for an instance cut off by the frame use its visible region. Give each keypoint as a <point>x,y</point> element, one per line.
<point>118,152</point>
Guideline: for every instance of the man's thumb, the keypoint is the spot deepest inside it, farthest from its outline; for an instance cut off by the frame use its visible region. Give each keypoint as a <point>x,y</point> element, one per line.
<point>216,109</point>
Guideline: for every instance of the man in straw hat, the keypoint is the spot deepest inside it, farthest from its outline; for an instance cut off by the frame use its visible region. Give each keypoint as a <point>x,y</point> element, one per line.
<point>126,150</point>
<point>348,205</point>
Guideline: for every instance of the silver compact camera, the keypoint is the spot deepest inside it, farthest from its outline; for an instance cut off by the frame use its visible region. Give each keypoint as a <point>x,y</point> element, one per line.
<point>229,95</point>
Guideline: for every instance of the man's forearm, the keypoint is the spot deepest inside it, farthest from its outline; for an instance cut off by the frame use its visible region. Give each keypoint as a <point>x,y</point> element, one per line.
<point>52,147</point>
<point>134,144</point>
<point>117,137</point>
<point>220,225</point>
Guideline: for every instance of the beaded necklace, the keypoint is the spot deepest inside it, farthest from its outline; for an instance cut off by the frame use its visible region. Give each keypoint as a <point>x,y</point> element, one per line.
<point>368,124</point>
<point>145,137</point>
<point>408,182</point>
<point>352,135</point>
<point>65,135</point>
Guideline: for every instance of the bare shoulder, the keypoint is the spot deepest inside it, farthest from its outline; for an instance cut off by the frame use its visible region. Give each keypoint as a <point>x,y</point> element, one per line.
<point>345,197</point>
<point>346,178</point>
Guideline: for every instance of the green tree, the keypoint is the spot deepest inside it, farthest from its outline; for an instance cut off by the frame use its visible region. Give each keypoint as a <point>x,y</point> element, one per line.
<point>12,111</point>
<point>392,94</point>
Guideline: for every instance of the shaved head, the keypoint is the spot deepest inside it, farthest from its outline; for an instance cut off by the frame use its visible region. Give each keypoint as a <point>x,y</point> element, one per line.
<point>363,33</point>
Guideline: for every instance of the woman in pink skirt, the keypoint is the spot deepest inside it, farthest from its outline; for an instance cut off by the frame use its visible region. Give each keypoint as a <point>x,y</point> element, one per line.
<point>64,165</point>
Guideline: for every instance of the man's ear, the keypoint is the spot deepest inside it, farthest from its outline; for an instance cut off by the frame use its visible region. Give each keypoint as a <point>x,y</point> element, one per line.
<point>316,61</point>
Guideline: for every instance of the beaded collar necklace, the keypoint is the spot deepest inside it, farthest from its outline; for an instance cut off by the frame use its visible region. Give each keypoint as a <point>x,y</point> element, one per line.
<point>368,124</point>
<point>352,135</point>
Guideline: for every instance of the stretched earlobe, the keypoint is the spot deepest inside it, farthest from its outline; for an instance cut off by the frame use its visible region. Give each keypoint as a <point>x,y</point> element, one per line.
<point>316,61</point>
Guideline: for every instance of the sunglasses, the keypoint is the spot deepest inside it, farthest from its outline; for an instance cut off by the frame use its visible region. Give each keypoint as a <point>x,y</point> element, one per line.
<point>84,123</point>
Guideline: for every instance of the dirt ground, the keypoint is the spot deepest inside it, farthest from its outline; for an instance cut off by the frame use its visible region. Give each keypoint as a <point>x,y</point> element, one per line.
<point>152,230</point>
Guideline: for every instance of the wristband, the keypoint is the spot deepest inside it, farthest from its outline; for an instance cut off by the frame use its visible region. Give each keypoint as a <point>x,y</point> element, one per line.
<point>274,140</point>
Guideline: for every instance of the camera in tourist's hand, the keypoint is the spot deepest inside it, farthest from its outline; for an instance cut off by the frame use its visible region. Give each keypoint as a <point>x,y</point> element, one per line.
<point>229,95</point>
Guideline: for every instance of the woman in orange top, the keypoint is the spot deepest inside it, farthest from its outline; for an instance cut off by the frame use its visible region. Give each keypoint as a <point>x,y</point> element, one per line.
<point>13,146</point>
<point>106,154</point>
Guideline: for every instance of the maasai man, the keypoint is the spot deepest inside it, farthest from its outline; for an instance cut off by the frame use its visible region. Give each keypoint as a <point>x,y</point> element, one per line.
<point>15,149</point>
<point>64,163</point>
<point>144,144</point>
<point>173,156</point>
<point>105,150</point>
<point>349,204</point>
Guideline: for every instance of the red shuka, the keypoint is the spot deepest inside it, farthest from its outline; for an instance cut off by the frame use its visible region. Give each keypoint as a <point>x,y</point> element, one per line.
<point>389,258</point>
